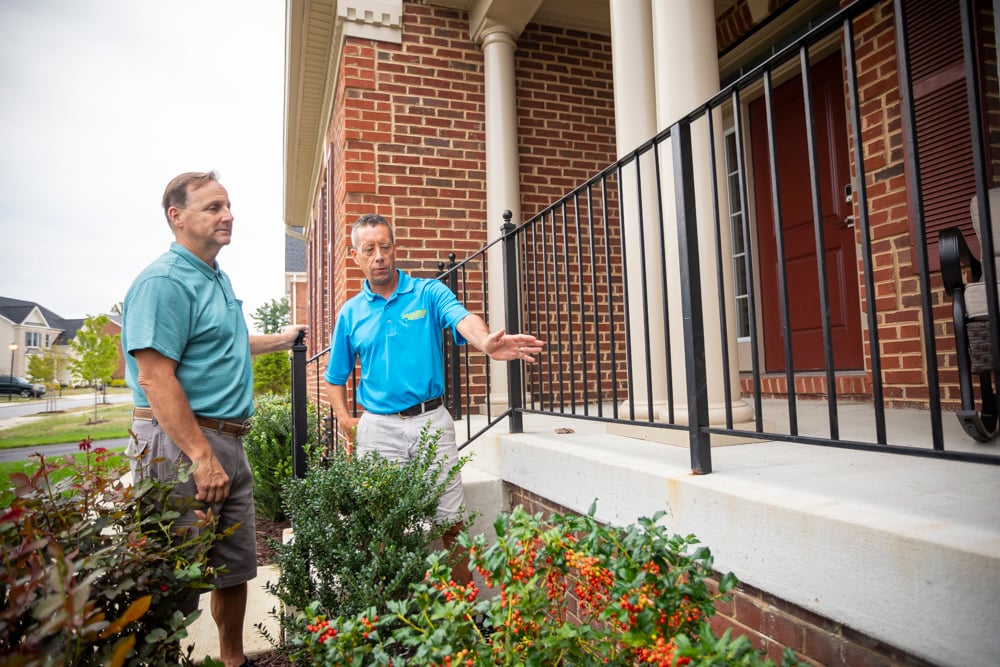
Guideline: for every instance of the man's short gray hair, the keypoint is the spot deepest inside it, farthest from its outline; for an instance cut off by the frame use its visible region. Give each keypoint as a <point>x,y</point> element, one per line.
<point>370,220</point>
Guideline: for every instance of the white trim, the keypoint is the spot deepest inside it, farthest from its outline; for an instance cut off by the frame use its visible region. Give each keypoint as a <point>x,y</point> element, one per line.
<point>380,20</point>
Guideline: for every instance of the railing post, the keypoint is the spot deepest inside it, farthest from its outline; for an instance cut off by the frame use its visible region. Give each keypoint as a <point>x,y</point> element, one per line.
<point>694,325</point>
<point>300,423</point>
<point>511,281</point>
<point>452,362</point>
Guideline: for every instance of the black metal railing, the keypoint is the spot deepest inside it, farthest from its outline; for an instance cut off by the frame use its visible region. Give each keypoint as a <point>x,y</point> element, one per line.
<point>594,275</point>
<point>560,252</point>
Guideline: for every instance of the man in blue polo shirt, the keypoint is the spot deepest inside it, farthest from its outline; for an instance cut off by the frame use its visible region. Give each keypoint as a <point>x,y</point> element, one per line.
<point>189,367</point>
<point>394,326</point>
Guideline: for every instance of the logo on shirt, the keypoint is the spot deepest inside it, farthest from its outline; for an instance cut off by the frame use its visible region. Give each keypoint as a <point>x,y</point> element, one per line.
<point>415,315</point>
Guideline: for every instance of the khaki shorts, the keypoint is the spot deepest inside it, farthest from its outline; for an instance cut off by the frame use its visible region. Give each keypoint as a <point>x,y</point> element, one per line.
<point>155,455</point>
<point>396,438</point>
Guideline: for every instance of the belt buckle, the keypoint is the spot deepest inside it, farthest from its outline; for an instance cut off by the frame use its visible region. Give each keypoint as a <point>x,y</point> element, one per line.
<point>412,411</point>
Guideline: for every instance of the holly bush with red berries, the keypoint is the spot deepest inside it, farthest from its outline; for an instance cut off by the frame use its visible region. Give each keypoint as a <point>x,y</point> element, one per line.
<point>567,590</point>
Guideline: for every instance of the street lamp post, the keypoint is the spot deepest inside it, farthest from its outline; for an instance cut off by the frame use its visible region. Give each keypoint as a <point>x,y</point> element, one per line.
<point>12,347</point>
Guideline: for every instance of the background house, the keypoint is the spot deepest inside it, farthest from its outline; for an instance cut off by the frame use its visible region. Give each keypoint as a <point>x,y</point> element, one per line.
<point>442,114</point>
<point>36,329</point>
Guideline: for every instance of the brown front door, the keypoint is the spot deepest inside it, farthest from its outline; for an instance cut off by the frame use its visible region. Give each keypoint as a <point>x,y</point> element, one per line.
<point>802,279</point>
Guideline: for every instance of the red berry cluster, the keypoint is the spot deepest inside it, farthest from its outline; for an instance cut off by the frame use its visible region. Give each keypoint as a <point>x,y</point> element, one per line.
<point>460,658</point>
<point>555,586</point>
<point>523,568</point>
<point>517,624</point>
<point>591,580</point>
<point>661,654</point>
<point>687,613</point>
<point>369,625</point>
<point>452,591</point>
<point>321,628</point>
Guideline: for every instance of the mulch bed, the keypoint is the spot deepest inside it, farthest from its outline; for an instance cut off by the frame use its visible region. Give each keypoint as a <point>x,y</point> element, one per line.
<point>266,554</point>
<point>272,659</point>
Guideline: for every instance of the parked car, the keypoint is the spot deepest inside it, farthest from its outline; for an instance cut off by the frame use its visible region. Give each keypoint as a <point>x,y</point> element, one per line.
<point>11,384</point>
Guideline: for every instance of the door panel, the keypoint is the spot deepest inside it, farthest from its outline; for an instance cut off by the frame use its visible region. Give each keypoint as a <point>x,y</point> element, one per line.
<point>802,278</point>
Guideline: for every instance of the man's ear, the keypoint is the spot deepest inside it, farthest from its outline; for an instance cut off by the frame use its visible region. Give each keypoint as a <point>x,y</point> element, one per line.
<point>174,214</point>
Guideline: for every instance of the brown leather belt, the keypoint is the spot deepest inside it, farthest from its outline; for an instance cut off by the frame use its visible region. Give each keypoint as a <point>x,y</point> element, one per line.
<point>237,429</point>
<point>421,408</point>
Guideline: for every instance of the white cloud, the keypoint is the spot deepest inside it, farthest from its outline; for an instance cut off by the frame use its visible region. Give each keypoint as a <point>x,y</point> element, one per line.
<point>104,101</point>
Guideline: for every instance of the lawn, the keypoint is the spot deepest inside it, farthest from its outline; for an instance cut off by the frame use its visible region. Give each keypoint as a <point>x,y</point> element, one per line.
<point>113,421</point>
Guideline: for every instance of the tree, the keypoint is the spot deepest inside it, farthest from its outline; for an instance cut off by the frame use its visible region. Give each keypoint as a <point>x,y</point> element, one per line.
<point>272,374</point>
<point>118,308</point>
<point>95,354</point>
<point>272,316</point>
<point>42,368</point>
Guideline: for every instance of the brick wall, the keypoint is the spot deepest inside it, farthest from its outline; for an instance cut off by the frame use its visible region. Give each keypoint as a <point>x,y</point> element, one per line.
<point>566,127</point>
<point>406,141</point>
<point>771,623</point>
<point>112,329</point>
<point>848,385</point>
<point>565,109</point>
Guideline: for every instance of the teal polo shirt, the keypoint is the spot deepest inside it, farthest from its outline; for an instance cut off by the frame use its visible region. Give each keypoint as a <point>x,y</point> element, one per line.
<point>186,310</point>
<point>399,342</point>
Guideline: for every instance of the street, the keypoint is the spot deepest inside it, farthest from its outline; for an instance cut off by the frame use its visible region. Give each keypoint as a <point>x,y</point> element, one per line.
<point>13,410</point>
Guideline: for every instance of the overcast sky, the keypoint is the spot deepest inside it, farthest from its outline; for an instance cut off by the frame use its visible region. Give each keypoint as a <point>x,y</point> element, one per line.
<point>104,101</point>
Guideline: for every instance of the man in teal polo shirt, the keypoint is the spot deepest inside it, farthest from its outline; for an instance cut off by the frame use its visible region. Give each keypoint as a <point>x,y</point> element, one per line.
<point>189,367</point>
<point>394,326</point>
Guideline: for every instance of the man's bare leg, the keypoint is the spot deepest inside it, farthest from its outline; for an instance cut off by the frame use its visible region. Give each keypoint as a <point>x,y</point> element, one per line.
<point>460,571</point>
<point>229,607</point>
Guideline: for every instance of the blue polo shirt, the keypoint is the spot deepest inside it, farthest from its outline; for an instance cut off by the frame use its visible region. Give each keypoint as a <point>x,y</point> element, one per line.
<point>186,310</point>
<point>399,341</point>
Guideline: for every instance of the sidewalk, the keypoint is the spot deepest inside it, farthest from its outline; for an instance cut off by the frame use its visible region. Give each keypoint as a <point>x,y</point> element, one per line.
<point>261,609</point>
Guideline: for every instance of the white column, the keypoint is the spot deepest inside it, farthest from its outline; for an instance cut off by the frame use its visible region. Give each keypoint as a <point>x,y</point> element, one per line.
<point>502,178</point>
<point>635,123</point>
<point>687,74</point>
